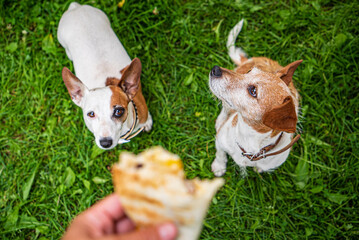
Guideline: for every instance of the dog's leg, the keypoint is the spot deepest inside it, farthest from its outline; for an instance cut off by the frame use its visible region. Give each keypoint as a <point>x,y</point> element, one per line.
<point>220,162</point>
<point>258,169</point>
<point>148,123</point>
<point>239,159</point>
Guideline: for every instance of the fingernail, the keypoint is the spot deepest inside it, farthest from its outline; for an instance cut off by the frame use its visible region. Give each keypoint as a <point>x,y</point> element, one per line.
<point>167,231</point>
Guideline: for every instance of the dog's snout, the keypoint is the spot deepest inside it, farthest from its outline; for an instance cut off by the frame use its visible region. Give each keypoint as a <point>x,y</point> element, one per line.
<point>106,142</point>
<point>216,71</point>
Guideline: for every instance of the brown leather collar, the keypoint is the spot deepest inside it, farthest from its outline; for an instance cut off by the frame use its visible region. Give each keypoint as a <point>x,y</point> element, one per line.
<point>263,151</point>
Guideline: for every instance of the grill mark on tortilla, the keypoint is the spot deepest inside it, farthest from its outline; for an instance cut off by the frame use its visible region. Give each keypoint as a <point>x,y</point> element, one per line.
<point>134,177</point>
<point>130,194</point>
<point>143,212</point>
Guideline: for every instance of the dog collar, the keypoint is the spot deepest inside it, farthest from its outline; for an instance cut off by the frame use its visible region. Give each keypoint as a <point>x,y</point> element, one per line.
<point>263,151</point>
<point>125,138</point>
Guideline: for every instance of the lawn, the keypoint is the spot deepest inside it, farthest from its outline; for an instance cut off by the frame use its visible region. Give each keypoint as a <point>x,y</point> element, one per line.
<point>51,169</point>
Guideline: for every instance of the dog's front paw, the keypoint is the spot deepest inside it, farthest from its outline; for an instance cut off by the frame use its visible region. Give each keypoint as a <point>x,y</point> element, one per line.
<point>148,123</point>
<point>218,169</point>
<point>258,170</point>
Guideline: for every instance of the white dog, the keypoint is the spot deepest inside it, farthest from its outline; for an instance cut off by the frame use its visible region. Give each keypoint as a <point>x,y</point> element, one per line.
<point>107,84</point>
<point>259,114</point>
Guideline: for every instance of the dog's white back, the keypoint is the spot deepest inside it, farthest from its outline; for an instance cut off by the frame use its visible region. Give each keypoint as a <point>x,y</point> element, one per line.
<point>107,82</point>
<point>85,32</point>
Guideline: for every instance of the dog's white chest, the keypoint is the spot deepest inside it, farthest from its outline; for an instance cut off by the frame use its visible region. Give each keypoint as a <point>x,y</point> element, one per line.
<point>231,138</point>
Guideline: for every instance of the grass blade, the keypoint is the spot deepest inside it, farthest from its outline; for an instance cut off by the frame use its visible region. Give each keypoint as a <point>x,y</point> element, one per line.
<point>27,186</point>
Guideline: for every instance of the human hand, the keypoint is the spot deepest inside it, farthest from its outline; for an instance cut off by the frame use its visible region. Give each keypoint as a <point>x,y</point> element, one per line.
<point>106,220</point>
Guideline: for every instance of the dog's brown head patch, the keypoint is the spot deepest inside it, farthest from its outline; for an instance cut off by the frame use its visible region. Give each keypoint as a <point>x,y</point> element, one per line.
<point>112,81</point>
<point>262,91</point>
<point>119,100</point>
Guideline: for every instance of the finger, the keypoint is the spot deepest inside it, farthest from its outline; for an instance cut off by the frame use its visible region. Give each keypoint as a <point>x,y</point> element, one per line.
<point>99,219</point>
<point>166,231</point>
<point>76,230</point>
<point>110,205</point>
<point>98,224</point>
<point>124,225</point>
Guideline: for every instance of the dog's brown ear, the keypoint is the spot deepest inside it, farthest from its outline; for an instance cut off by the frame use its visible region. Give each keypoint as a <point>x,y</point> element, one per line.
<point>124,69</point>
<point>74,86</point>
<point>282,117</point>
<point>130,80</point>
<point>112,81</point>
<point>286,73</point>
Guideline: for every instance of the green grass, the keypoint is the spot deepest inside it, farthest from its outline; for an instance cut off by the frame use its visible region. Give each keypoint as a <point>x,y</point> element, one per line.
<point>50,168</point>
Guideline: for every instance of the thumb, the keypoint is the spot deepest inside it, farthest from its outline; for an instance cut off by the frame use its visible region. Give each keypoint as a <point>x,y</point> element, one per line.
<point>166,231</point>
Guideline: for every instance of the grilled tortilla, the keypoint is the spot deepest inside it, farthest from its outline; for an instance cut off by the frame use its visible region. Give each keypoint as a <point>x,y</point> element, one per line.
<point>153,189</point>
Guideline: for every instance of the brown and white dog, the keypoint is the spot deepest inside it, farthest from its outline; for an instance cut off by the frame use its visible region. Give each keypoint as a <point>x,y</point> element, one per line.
<point>107,83</point>
<point>259,114</point>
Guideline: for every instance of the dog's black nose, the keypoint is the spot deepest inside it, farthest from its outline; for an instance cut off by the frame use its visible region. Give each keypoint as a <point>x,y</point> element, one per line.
<point>216,71</point>
<point>106,142</point>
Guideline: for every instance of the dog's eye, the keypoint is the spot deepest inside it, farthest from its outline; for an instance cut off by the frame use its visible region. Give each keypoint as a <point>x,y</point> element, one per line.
<point>252,91</point>
<point>91,114</point>
<point>118,112</point>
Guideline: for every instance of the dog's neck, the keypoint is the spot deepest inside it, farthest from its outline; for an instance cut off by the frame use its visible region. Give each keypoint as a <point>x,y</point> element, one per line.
<point>249,139</point>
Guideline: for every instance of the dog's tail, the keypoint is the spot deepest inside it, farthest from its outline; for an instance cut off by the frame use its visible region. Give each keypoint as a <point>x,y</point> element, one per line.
<point>236,54</point>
